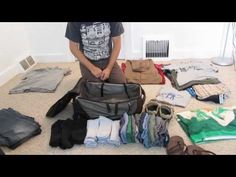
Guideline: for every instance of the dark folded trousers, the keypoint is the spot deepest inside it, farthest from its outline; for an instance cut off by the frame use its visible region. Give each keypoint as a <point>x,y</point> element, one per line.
<point>66,133</point>
<point>16,128</point>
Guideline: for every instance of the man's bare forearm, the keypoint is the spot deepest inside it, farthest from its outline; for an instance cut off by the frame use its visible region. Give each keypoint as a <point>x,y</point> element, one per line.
<point>115,52</point>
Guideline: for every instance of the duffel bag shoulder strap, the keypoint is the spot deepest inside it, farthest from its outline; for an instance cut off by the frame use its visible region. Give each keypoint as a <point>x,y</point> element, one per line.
<point>63,102</point>
<point>141,101</point>
<point>126,90</point>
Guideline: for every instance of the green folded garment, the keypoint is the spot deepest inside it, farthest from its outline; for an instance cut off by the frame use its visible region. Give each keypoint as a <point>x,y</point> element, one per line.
<point>129,132</point>
<point>203,126</point>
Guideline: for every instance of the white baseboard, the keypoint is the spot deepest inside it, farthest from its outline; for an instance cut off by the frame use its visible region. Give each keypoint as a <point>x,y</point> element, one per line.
<point>53,57</point>
<point>9,73</point>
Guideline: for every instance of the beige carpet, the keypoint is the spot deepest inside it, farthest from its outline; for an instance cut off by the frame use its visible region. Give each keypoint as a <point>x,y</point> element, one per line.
<point>37,104</point>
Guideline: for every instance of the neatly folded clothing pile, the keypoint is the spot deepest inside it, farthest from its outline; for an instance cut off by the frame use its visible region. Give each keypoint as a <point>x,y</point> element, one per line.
<point>16,128</point>
<point>102,131</point>
<point>128,129</point>
<point>212,92</point>
<point>91,136</point>
<point>170,95</point>
<point>200,79</point>
<point>41,80</point>
<point>209,125</point>
<point>184,75</point>
<point>153,124</point>
<point>143,72</point>
<point>66,133</point>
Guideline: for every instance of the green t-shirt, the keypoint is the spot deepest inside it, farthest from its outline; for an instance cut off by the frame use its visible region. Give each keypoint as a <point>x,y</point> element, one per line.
<point>202,126</point>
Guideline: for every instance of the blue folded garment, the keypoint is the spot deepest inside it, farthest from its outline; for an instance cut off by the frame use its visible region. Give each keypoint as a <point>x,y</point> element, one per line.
<point>92,129</point>
<point>191,91</point>
<point>123,128</point>
<point>114,136</point>
<point>104,129</point>
<point>90,142</point>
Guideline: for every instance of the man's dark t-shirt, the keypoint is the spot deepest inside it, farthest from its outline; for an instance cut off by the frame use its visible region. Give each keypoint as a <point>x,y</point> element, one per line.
<point>94,38</point>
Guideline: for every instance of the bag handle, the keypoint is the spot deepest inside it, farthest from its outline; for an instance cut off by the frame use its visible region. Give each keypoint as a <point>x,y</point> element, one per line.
<point>126,90</point>
<point>108,108</point>
<point>116,108</point>
<point>102,86</point>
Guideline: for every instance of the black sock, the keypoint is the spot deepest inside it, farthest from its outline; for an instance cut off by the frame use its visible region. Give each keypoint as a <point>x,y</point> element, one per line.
<point>79,130</point>
<point>66,142</point>
<point>66,133</point>
<point>55,139</point>
<point>74,132</point>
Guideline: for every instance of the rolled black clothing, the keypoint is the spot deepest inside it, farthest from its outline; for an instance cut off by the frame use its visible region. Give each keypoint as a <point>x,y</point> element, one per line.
<point>66,133</point>
<point>55,138</point>
<point>78,129</point>
<point>66,130</point>
<point>73,132</point>
<point>16,128</point>
<point>78,136</point>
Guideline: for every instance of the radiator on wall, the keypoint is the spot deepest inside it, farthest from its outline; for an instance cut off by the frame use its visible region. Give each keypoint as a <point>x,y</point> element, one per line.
<point>156,47</point>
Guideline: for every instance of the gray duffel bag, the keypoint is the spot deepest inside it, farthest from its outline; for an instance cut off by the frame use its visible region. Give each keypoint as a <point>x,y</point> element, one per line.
<point>94,99</point>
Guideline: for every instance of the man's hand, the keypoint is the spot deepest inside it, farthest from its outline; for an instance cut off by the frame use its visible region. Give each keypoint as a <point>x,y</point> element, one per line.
<point>114,54</point>
<point>97,72</point>
<point>105,74</point>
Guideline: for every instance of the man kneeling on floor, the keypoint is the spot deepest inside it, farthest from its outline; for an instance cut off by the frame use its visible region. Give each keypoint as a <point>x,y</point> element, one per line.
<point>97,45</point>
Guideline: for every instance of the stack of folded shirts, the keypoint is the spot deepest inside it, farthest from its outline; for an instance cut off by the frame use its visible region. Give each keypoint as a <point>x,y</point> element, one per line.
<point>212,92</point>
<point>102,131</point>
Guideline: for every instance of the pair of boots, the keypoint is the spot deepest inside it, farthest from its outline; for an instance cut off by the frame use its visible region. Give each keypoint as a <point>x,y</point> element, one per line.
<point>161,114</point>
<point>158,109</point>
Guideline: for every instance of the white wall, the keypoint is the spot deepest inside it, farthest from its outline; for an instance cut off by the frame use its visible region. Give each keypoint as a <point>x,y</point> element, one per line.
<point>229,41</point>
<point>188,40</point>
<point>14,46</point>
<point>48,42</point>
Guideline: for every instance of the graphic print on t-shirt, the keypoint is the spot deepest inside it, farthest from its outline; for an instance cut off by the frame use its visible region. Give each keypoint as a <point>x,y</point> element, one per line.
<point>95,39</point>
